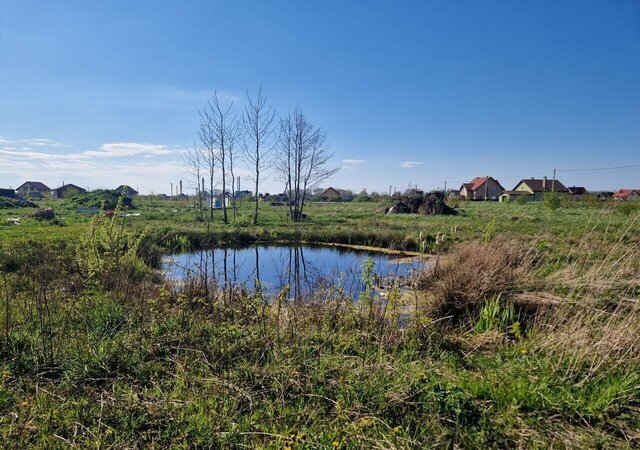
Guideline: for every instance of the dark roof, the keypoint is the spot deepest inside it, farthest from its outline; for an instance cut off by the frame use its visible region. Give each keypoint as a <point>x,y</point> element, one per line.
<point>36,184</point>
<point>479,181</point>
<point>69,185</point>
<point>127,188</point>
<point>537,184</point>
<point>7,193</point>
<point>577,190</point>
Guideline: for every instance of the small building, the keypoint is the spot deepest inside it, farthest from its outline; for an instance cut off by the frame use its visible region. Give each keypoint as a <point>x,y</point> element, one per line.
<point>216,201</point>
<point>534,189</point>
<point>126,190</point>
<point>627,194</point>
<point>330,194</point>
<point>7,193</point>
<point>481,188</point>
<point>66,190</point>
<point>577,191</point>
<point>243,194</point>
<point>33,189</point>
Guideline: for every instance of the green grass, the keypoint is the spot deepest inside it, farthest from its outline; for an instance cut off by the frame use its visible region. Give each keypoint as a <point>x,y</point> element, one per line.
<point>132,363</point>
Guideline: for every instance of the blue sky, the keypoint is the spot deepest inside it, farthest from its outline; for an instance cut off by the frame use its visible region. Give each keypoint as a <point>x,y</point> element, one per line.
<point>409,92</point>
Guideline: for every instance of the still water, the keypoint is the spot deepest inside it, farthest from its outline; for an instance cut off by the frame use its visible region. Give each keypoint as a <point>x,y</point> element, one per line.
<point>305,269</point>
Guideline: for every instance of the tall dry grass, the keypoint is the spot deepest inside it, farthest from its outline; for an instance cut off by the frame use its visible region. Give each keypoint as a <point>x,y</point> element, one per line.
<point>473,273</point>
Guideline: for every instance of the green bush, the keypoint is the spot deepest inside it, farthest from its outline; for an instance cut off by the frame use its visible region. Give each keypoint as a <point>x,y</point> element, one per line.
<point>552,200</point>
<point>109,252</point>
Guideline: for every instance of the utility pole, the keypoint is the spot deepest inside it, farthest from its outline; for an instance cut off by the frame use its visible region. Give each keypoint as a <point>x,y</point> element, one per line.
<point>553,182</point>
<point>445,186</point>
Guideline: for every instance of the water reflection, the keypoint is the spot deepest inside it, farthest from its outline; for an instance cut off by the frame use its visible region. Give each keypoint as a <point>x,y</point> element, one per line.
<point>303,270</point>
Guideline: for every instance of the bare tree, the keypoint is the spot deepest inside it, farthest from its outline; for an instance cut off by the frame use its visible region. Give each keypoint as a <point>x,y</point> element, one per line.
<point>219,134</point>
<point>193,159</point>
<point>257,122</point>
<point>208,151</point>
<point>231,157</point>
<point>304,159</point>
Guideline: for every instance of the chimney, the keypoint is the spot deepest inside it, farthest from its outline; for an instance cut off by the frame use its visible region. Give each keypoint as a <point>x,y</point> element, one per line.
<point>544,182</point>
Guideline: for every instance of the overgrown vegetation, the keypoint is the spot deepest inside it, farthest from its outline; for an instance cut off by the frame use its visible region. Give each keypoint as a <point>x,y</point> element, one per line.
<point>7,203</point>
<point>105,199</point>
<point>523,333</point>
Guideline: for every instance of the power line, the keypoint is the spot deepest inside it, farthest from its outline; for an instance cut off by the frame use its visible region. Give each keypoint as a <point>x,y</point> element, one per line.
<point>602,169</point>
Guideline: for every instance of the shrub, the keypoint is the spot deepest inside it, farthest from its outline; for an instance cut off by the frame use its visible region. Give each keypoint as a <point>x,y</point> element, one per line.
<point>109,252</point>
<point>8,203</point>
<point>626,208</point>
<point>552,200</point>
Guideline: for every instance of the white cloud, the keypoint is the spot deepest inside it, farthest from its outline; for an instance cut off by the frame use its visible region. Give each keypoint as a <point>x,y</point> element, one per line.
<point>411,164</point>
<point>36,142</point>
<point>122,149</point>
<point>349,164</point>
<point>41,142</point>
<point>41,156</point>
<point>353,162</point>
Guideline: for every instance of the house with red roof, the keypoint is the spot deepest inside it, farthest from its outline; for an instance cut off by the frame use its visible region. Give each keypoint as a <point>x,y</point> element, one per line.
<point>481,188</point>
<point>627,194</point>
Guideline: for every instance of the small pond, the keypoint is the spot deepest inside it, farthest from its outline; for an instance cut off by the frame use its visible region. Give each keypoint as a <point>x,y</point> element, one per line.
<point>306,269</point>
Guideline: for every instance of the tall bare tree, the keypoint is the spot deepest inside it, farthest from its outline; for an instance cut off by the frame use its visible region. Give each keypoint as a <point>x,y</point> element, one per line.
<point>231,156</point>
<point>209,151</point>
<point>257,123</point>
<point>193,159</point>
<point>219,126</point>
<point>303,159</point>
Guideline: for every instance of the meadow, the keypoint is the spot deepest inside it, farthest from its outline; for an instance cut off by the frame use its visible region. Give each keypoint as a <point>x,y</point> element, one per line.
<point>524,332</point>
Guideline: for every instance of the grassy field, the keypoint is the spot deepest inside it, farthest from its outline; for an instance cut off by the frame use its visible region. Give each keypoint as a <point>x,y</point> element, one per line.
<point>524,333</point>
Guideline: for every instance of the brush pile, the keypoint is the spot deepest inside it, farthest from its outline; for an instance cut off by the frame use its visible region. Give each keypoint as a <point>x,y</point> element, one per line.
<point>431,203</point>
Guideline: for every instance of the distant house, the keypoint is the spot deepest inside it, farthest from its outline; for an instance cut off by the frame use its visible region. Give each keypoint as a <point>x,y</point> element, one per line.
<point>627,194</point>
<point>604,195</point>
<point>9,193</point>
<point>66,190</point>
<point>243,194</point>
<point>126,190</point>
<point>577,191</point>
<point>33,189</point>
<point>481,188</point>
<point>534,189</point>
<point>330,194</point>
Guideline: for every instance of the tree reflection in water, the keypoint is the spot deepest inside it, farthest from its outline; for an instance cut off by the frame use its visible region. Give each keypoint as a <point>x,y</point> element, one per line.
<point>266,270</point>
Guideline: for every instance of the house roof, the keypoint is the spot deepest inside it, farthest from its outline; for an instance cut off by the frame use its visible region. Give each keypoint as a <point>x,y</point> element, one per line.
<point>36,184</point>
<point>126,187</point>
<point>479,181</point>
<point>69,185</point>
<point>624,193</point>
<point>544,185</point>
<point>328,190</point>
<point>577,190</point>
